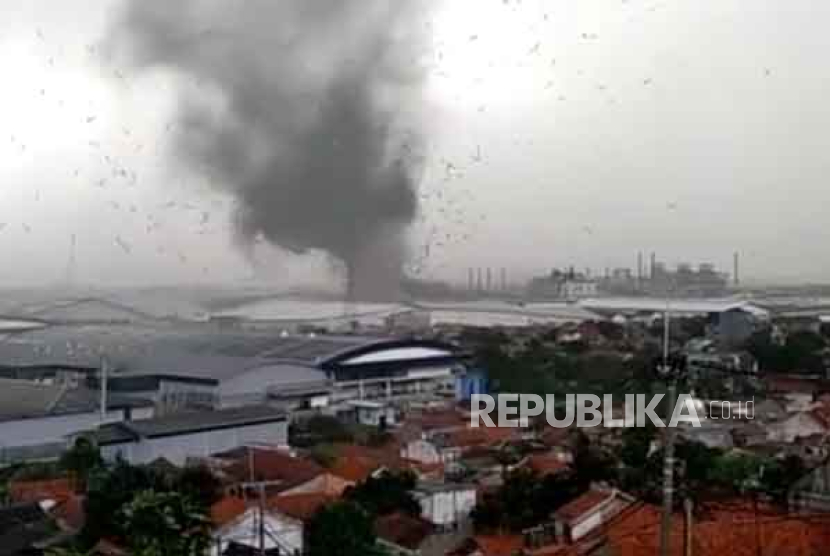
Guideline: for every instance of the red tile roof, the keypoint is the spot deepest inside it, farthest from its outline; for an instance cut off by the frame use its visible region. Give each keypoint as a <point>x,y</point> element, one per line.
<point>35,491</point>
<point>583,504</point>
<point>403,530</point>
<point>272,465</point>
<point>226,510</point>
<point>357,463</point>
<point>300,506</point>
<point>546,464</point>
<point>737,531</point>
<point>499,545</point>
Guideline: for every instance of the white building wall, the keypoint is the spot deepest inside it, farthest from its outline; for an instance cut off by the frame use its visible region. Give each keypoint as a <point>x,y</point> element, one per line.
<point>177,449</point>
<point>447,507</point>
<point>422,451</point>
<point>282,532</point>
<point>48,430</point>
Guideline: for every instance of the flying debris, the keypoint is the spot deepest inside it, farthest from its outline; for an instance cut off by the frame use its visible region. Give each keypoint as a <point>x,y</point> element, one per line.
<point>122,244</point>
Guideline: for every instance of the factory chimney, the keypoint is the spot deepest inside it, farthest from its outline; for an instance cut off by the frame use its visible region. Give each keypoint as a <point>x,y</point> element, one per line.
<point>489,286</point>
<point>639,269</point>
<point>503,279</point>
<point>470,279</point>
<point>653,264</point>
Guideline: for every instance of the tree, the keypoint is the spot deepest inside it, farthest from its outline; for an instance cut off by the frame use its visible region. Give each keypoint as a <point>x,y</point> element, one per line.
<point>778,476</point>
<point>590,463</point>
<point>81,459</point>
<point>165,524</point>
<point>319,429</point>
<point>386,493</point>
<point>636,445</point>
<point>344,529</point>
<point>108,490</point>
<point>524,500</point>
<point>199,484</point>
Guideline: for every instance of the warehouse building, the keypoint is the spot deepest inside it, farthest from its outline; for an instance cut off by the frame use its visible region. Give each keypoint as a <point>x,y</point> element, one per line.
<point>199,367</point>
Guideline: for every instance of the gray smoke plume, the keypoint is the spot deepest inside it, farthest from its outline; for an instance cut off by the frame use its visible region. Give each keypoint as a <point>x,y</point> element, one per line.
<point>298,114</point>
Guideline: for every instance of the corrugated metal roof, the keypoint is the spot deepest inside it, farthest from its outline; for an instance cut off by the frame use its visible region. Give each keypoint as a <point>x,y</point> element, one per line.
<point>186,423</point>
<point>22,399</point>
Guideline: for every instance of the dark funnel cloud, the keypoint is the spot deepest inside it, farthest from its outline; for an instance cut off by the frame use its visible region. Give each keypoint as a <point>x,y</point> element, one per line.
<point>300,109</point>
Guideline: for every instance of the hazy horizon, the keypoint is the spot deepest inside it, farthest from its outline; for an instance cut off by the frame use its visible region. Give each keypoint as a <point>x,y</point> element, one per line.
<point>556,134</point>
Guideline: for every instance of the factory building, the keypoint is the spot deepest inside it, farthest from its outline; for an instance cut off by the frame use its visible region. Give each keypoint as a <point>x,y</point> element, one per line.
<point>200,367</point>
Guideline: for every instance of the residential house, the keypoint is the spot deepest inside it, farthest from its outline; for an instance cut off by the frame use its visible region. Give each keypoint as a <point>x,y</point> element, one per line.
<point>796,392</point>
<point>445,504</point>
<point>404,535</point>
<point>276,524</point>
<point>59,497</point>
<point>800,424</point>
<point>548,463</point>
<point>447,447</point>
<point>589,511</point>
<point>35,419</point>
<point>370,413</point>
<point>274,469</point>
<point>245,528</point>
<point>811,493</point>
<point>737,528</point>
<point>184,436</point>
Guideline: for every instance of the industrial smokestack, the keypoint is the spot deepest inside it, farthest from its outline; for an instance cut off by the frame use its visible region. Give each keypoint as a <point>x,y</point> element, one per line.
<point>653,265</point>
<point>503,279</point>
<point>300,115</point>
<point>639,269</point>
<point>470,279</point>
<point>479,284</point>
<point>489,286</point>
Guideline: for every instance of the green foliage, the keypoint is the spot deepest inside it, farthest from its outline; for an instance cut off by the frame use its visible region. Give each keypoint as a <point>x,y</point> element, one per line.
<point>704,473</point>
<point>801,352</point>
<point>385,494</point>
<point>165,524</point>
<point>81,459</point>
<point>778,476</point>
<point>319,429</point>
<point>590,463</point>
<point>524,500</point>
<point>199,484</point>
<point>636,445</point>
<point>367,435</point>
<point>108,491</point>
<point>344,529</point>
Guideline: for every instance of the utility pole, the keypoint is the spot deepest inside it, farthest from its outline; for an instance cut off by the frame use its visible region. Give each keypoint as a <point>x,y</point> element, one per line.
<point>671,369</point>
<point>104,373</point>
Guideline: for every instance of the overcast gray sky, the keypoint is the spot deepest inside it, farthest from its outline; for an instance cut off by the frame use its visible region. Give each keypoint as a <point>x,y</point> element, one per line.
<point>559,133</point>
